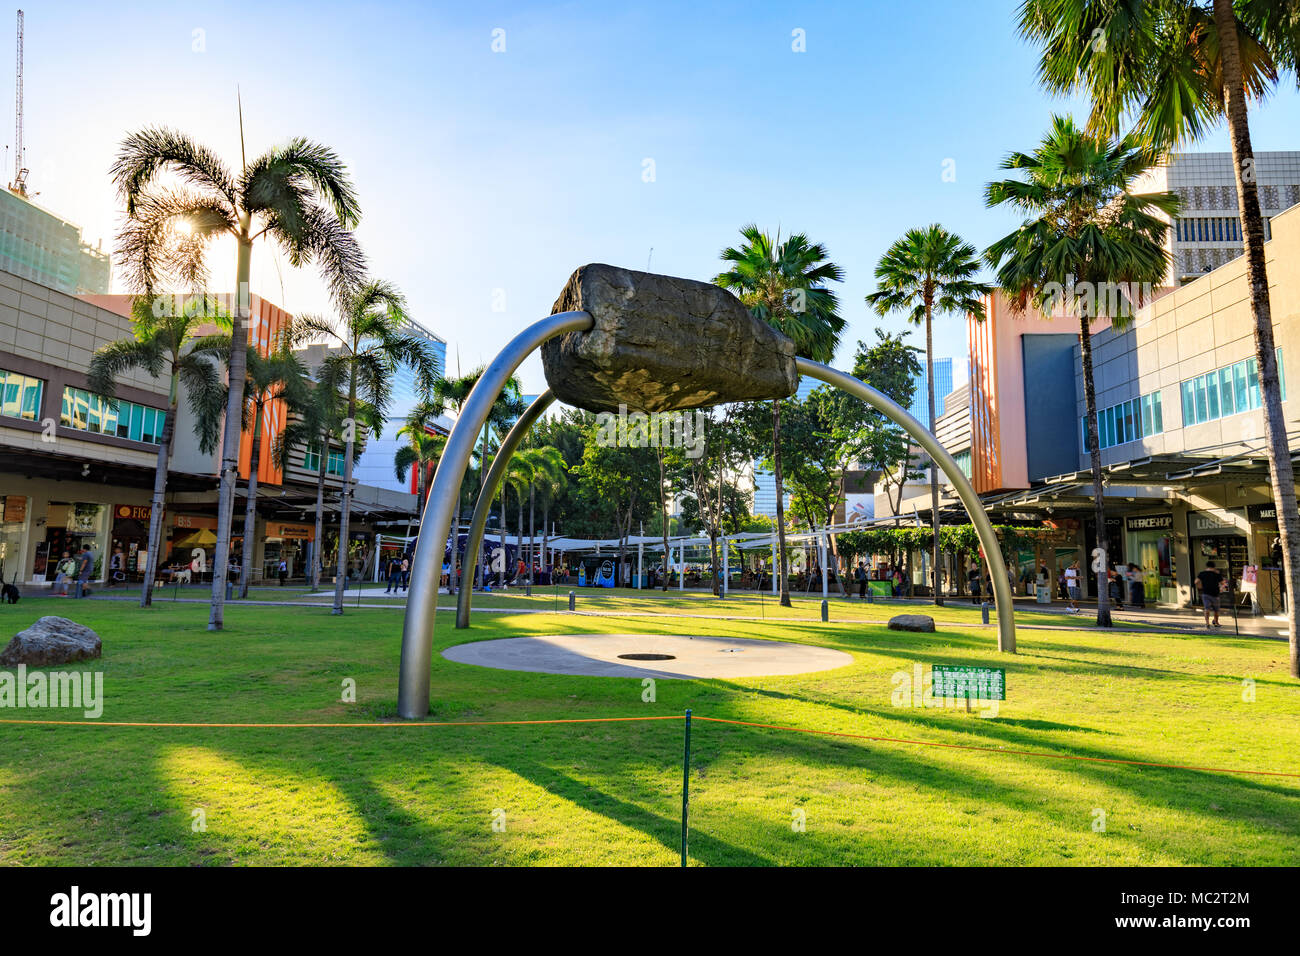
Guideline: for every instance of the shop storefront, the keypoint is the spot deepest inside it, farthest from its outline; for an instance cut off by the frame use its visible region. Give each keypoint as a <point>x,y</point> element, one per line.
<point>69,526</point>
<point>1268,586</point>
<point>290,543</point>
<point>13,536</point>
<point>1114,545</point>
<point>130,536</point>
<point>192,544</point>
<point>1150,546</point>
<point>1218,536</point>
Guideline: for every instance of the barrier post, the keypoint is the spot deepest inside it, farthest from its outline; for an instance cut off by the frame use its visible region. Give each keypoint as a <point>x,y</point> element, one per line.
<point>686,784</point>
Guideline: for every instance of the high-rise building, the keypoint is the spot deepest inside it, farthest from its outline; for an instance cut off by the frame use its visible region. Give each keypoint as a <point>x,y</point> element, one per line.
<point>43,248</point>
<point>920,407</point>
<point>1207,231</point>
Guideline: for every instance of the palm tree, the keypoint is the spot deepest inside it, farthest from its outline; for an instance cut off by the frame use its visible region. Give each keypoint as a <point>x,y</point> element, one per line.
<point>451,394</point>
<point>318,423</point>
<point>298,196</point>
<point>519,476</point>
<point>268,379</point>
<point>422,450</point>
<point>1178,67</point>
<point>167,343</point>
<point>785,285</point>
<point>1085,236</point>
<point>930,270</point>
<point>546,470</point>
<point>550,481</point>
<point>370,346</point>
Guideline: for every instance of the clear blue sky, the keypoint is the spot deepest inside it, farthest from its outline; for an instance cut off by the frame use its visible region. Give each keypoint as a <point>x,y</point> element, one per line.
<point>483,171</point>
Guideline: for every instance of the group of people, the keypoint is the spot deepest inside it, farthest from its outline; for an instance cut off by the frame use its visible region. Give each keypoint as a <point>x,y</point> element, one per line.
<point>76,570</point>
<point>398,574</point>
<point>860,578</point>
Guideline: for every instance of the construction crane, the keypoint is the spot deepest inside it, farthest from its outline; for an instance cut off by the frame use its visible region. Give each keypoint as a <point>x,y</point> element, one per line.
<point>19,185</point>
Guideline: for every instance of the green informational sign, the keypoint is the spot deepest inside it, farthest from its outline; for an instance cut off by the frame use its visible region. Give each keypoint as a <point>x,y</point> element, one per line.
<point>977,683</point>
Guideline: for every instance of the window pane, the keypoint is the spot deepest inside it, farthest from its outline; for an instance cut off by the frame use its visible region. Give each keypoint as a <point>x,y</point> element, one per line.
<point>32,398</point>
<point>1189,405</point>
<point>1239,387</point>
<point>1225,391</point>
<point>1281,375</point>
<point>137,423</point>
<point>1158,424</point>
<point>1252,383</point>
<point>1146,415</point>
<point>1202,414</point>
<point>1132,420</point>
<point>1212,394</point>
<point>109,415</point>
<point>9,401</point>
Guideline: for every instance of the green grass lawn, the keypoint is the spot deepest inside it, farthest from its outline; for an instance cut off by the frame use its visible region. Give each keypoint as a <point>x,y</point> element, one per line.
<point>609,793</point>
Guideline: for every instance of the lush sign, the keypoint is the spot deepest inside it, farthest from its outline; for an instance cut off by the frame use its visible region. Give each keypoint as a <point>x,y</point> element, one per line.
<point>978,683</point>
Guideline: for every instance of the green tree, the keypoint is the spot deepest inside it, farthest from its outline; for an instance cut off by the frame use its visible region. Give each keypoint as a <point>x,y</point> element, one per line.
<point>785,284</point>
<point>545,469</point>
<point>1178,67</point>
<point>369,344</point>
<point>277,377</point>
<point>930,270</point>
<point>422,450</point>
<point>297,196</point>
<point>166,343</point>
<point>1088,244</point>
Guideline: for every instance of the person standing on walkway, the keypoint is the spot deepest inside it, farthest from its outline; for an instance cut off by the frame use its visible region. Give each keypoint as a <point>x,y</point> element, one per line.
<point>65,571</point>
<point>1209,581</point>
<point>282,572</point>
<point>973,577</point>
<point>861,576</point>
<point>1072,586</point>
<point>1137,586</point>
<point>405,572</point>
<point>85,565</point>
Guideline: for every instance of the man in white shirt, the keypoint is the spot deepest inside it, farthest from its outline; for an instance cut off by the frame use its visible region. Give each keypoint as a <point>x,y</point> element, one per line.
<point>1072,586</point>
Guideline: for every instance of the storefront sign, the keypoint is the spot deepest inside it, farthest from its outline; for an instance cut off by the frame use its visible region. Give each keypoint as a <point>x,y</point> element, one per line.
<point>15,508</point>
<point>1262,513</point>
<point>281,529</point>
<point>134,512</point>
<point>1150,523</point>
<point>1206,522</point>
<point>195,521</point>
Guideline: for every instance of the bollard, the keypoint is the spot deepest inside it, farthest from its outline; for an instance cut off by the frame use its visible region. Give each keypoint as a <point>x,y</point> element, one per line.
<point>528,589</point>
<point>573,599</point>
<point>230,590</point>
<point>686,785</point>
<point>984,611</point>
<point>826,610</point>
<point>871,596</point>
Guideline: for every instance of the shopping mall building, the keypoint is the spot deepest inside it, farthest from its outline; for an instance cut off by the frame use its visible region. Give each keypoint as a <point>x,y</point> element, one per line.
<point>1181,428</point>
<point>75,470</point>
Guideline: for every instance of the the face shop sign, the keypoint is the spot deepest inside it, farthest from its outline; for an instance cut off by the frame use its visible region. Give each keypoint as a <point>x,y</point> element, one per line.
<point>1149,523</point>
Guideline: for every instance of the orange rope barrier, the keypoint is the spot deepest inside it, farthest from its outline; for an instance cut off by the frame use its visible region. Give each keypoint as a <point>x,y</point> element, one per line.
<point>996,750</point>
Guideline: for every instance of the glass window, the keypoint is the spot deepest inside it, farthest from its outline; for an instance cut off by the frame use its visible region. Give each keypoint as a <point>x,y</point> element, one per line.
<point>1202,413</point>
<point>20,395</point>
<point>1226,398</point>
<point>1212,394</point>
<point>335,464</point>
<point>1252,383</point>
<point>1189,404</point>
<point>1281,375</point>
<point>1146,416</point>
<point>1158,421</point>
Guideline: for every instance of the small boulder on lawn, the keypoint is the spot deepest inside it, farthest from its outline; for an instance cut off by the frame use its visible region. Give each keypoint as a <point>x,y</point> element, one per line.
<point>912,622</point>
<point>52,640</point>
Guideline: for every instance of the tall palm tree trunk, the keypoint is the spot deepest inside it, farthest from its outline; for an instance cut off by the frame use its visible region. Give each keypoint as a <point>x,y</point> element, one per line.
<point>250,506</point>
<point>532,504</point>
<point>1281,471</point>
<point>663,513</point>
<point>455,545</point>
<point>232,429</point>
<point>546,510</point>
<point>780,504</point>
<point>520,540</point>
<point>501,572</point>
<point>1094,453</point>
<point>319,540</point>
<point>159,498</point>
<point>936,568</point>
<point>345,509</point>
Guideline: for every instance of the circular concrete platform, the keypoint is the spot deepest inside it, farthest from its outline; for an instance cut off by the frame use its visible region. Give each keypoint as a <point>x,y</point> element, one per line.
<point>642,655</point>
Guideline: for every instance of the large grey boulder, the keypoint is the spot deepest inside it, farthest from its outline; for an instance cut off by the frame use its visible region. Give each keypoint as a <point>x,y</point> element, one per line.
<point>912,622</point>
<point>52,640</point>
<point>661,344</point>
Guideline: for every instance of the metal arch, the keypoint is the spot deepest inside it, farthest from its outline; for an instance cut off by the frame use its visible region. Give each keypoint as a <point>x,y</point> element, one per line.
<point>422,605</point>
<point>490,485</point>
<point>974,507</point>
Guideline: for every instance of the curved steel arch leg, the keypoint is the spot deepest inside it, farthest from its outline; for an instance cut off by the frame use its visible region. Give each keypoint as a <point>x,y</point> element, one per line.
<point>422,604</point>
<point>974,507</point>
<point>490,485</point>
